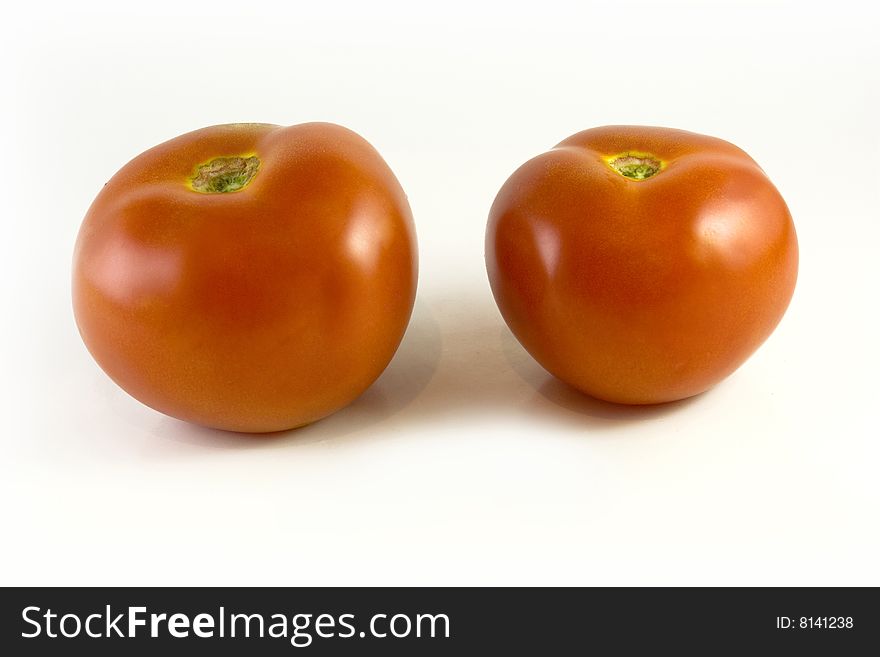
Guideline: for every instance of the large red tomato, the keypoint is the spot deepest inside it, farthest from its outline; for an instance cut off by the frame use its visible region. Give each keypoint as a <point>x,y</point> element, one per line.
<point>247,277</point>
<point>641,265</point>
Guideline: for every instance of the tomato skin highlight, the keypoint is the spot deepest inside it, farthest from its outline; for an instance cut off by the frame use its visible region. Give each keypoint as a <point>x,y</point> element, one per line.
<point>641,291</point>
<point>255,310</point>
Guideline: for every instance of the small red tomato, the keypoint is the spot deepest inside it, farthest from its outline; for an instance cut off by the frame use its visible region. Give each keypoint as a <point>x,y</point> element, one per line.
<point>247,277</point>
<point>641,265</point>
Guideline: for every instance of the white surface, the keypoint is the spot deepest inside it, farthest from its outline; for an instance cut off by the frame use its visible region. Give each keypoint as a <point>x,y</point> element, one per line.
<point>465,463</point>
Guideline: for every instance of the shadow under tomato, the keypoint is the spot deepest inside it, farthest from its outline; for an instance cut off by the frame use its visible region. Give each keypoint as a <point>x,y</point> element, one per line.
<point>405,377</point>
<point>457,360</point>
<point>481,370</point>
<point>573,400</point>
<point>553,397</point>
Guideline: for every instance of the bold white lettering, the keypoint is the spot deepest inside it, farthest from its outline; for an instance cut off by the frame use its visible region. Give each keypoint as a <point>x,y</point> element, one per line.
<point>134,621</point>
<point>178,626</point>
<point>155,619</point>
<point>203,626</point>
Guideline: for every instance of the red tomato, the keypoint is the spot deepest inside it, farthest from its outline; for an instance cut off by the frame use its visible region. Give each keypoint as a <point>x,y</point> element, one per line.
<point>247,277</point>
<point>641,265</point>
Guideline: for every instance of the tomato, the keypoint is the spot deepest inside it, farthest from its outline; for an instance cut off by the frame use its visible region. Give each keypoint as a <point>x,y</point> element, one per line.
<point>641,265</point>
<point>247,277</point>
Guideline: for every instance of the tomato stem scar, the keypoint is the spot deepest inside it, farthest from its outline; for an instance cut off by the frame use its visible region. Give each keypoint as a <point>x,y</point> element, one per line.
<point>635,166</point>
<point>225,174</point>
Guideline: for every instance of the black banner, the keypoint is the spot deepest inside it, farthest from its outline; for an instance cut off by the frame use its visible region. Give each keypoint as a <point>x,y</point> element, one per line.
<point>437,621</point>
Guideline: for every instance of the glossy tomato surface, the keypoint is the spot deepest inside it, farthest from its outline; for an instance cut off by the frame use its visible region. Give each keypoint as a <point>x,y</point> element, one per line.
<point>639,264</point>
<point>247,277</point>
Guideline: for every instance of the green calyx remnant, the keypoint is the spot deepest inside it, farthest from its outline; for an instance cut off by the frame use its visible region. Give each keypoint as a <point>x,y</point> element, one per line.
<point>225,174</point>
<point>636,167</point>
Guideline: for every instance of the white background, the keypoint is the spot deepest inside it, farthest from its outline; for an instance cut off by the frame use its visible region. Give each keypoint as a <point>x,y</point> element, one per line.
<point>465,463</point>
